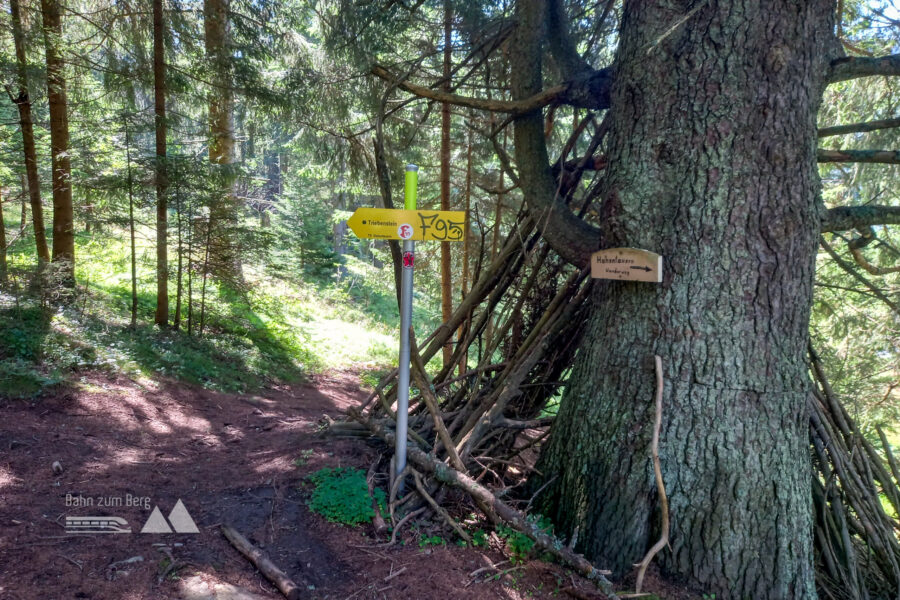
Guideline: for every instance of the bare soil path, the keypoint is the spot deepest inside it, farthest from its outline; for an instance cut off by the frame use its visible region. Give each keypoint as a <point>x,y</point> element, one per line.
<point>126,447</point>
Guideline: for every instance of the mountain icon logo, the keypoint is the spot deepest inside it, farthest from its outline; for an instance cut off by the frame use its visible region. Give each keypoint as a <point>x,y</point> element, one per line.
<point>179,518</point>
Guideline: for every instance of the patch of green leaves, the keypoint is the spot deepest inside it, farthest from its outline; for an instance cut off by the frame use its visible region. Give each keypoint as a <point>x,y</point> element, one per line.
<point>341,495</point>
<point>432,540</point>
<point>479,538</point>
<point>519,545</point>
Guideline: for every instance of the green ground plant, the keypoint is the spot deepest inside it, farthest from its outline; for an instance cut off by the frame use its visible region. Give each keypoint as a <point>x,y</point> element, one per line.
<point>519,545</point>
<point>432,540</point>
<point>341,495</point>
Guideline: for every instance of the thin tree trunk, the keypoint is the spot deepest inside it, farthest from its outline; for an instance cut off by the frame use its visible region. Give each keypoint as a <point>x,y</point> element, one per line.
<point>2,242</point>
<point>176,323</point>
<point>495,237</point>
<point>134,296</point>
<point>190,269</point>
<point>223,214</point>
<point>88,210</point>
<point>446,282</point>
<point>498,211</point>
<point>205,276</point>
<point>24,219</point>
<point>272,162</point>
<point>63,213</point>
<point>463,329</point>
<point>159,99</point>
<point>23,103</point>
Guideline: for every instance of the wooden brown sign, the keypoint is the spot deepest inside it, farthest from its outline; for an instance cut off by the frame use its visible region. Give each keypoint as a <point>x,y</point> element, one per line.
<point>627,264</point>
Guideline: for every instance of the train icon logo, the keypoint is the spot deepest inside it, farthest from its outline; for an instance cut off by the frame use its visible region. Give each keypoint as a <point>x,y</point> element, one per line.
<point>102,524</point>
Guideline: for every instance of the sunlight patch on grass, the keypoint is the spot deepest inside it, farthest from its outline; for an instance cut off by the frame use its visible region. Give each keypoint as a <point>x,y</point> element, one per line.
<point>339,343</point>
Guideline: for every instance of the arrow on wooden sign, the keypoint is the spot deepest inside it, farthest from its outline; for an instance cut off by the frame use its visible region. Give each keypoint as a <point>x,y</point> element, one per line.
<point>627,264</point>
<point>420,225</point>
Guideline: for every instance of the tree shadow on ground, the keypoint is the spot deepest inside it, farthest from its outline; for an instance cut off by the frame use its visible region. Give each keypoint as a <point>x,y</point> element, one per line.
<point>125,448</point>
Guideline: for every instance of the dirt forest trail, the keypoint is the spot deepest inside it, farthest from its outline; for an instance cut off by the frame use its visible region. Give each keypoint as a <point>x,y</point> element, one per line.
<point>127,447</point>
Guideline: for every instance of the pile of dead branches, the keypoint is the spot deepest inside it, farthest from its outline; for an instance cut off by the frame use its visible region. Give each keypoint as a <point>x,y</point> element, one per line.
<point>478,429</point>
<point>857,549</point>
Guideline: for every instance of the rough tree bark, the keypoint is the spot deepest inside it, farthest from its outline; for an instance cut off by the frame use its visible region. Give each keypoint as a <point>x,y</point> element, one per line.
<point>223,212</point>
<point>159,107</point>
<point>63,213</point>
<point>712,163</point>
<point>23,103</point>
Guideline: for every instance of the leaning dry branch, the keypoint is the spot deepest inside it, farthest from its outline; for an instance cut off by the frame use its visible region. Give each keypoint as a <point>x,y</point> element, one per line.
<point>420,377</point>
<point>660,486</point>
<point>516,519</point>
<point>262,562</point>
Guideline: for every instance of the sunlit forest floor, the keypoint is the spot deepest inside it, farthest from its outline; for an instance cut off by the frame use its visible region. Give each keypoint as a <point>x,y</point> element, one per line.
<point>240,459</point>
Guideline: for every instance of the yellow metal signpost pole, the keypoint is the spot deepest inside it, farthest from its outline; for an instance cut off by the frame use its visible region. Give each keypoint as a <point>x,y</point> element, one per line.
<point>406,285</point>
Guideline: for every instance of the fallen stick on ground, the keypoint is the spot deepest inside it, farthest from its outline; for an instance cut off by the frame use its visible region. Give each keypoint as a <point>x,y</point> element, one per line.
<point>262,562</point>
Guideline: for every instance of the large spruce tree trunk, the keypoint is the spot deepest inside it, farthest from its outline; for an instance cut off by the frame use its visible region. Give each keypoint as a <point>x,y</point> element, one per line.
<point>63,214</point>
<point>711,164</point>
<point>23,103</point>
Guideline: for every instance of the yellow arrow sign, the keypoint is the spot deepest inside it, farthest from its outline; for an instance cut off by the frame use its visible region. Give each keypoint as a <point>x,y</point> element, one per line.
<point>419,225</point>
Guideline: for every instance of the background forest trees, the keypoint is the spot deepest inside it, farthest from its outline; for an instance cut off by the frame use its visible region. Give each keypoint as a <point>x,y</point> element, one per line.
<point>191,165</point>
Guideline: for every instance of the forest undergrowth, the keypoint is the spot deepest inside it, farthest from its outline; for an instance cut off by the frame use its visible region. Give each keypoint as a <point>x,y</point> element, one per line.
<point>277,328</point>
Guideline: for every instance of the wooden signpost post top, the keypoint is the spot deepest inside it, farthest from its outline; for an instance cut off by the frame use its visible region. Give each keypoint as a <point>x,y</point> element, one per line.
<point>627,264</point>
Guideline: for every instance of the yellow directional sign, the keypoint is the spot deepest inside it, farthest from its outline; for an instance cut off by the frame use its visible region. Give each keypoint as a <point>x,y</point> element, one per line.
<point>419,225</point>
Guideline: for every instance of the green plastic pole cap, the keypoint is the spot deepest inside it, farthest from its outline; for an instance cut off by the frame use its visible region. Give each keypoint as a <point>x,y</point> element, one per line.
<point>411,187</point>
